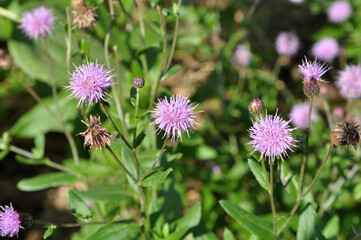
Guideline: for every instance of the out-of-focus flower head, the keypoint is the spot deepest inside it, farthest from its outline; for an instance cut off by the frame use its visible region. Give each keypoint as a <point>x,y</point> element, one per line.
<point>326,49</point>
<point>349,81</point>
<point>83,16</point>
<point>37,23</point>
<point>338,113</point>
<point>241,56</point>
<point>174,117</point>
<point>339,11</point>
<point>89,82</point>
<point>272,137</point>
<point>299,115</point>
<point>287,43</point>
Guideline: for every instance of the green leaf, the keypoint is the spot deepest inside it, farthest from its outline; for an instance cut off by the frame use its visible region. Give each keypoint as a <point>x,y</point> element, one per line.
<point>5,141</point>
<point>49,231</point>
<point>254,224</point>
<point>257,171</point>
<point>204,152</point>
<point>46,180</point>
<point>116,231</point>
<point>153,3</point>
<point>332,228</point>
<point>32,161</point>
<point>308,228</point>
<point>38,120</point>
<point>39,149</point>
<point>228,235</point>
<point>171,71</point>
<point>192,218</point>
<point>4,153</point>
<point>156,178</point>
<point>106,193</point>
<point>78,206</point>
<point>289,180</point>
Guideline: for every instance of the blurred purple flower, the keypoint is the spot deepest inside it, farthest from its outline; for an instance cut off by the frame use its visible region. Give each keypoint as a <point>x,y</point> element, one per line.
<point>312,70</point>
<point>326,49</point>
<point>338,113</point>
<point>37,23</point>
<point>241,56</point>
<point>349,81</point>
<point>10,221</point>
<point>217,169</point>
<point>339,11</point>
<point>174,117</point>
<point>287,43</point>
<point>272,136</point>
<point>299,115</point>
<point>88,83</point>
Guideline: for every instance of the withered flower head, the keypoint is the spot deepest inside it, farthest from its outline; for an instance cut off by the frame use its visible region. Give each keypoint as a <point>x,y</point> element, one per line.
<point>96,136</point>
<point>346,133</point>
<point>83,16</point>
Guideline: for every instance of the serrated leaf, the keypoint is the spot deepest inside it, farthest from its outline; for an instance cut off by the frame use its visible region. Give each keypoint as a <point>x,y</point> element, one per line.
<point>116,231</point>
<point>257,171</point>
<point>78,206</point>
<point>49,231</point>
<point>156,178</point>
<point>46,180</point>
<point>105,193</point>
<point>252,223</point>
<point>171,71</point>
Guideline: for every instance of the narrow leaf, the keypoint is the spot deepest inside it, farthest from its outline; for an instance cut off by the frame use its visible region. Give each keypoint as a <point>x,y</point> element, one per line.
<point>171,71</point>
<point>49,231</point>
<point>44,181</point>
<point>289,180</point>
<point>156,178</point>
<point>116,231</point>
<point>308,225</point>
<point>78,206</point>
<point>105,193</point>
<point>257,171</point>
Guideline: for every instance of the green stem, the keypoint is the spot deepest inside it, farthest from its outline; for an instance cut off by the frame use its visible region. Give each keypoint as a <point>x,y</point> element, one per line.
<point>136,118</point>
<point>157,159</point>
<point>272,201</point>
<point>70,225</point>
<point>21,151</point>
<point>10,15</point>
<point>107,36</point>
<point>62,168</point>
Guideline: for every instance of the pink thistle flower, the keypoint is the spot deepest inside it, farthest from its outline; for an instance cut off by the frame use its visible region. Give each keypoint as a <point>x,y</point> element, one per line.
<point>10,221</point>
<point>37,23</point>
<point>326,49</point>
<point>241,56</point>
<point>312,70</point>
<point>174,117</point>
<point>287,43</point>
<point>338,113</point>
<point>339,11</point>
<point>299,115</point>
<point>88,83</point>
<point>217,169</point>
<point>272,137</point>
<point>349,81</point>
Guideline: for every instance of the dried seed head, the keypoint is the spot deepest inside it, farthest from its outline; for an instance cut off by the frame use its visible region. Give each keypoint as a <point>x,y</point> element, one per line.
<point>256,107</point>
<point>345,133</point>
<point>311,87</point>
<point>96,136</point>
<point>83,16</point>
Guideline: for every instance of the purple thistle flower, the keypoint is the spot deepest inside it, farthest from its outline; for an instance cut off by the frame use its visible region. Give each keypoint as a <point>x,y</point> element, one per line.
<point>88,83</point>
<point>299,115</point>
<point>10,221</point>
<point>241,56</point>
<point>174,117</point>
<point>312,70</point>
<point>326,49</point>
<point>339,11</point>
<point>272,136</point>
<point>287,43</point>
<point>37,23</point>
<point>349,82</point>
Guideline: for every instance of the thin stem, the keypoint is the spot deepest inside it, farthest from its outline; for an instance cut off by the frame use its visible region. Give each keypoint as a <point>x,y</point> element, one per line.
<point>292,213</point>
<point>10,15</point>
<point>304,159</point>
<point>108,116</point>
<point>272,201</point>
<point>21,151</point>
<point>136,118</point>
<point>68,44</point>
<point>328,113</point>
<point>142,198</point>
<point>70,225</point>
<point>107,36</point>
<point>238,89</point>
<point>121,164</point>
<point>157,160</point>
<point>62,168</point>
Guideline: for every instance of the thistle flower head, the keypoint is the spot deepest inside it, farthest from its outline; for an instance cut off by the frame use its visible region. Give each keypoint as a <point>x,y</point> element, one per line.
<point>287,43</point>
<point>339,11</point>
<point>299,115</point>
<point>83,16</point>
<point>96,136</point>
<point>37,23</point>
<point>346,133</point>
<point>89,82</point>
<point>349,82</point>
<point>312,70</point>
<point>326,49</point>
<point>272,137</point>
<point>174,117</point>
<point>241,56</point>
<point>11,221</point>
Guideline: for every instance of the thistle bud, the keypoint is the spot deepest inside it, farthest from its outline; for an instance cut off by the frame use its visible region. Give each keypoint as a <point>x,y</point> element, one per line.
<point>138,82</point>
<point>311,87</point>
<point>345,133</point>
<point>256,107</point>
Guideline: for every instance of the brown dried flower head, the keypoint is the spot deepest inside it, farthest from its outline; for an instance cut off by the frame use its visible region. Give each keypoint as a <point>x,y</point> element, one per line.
<point>346,133</point>
<point>96,136</point>
<point>83,16</point>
